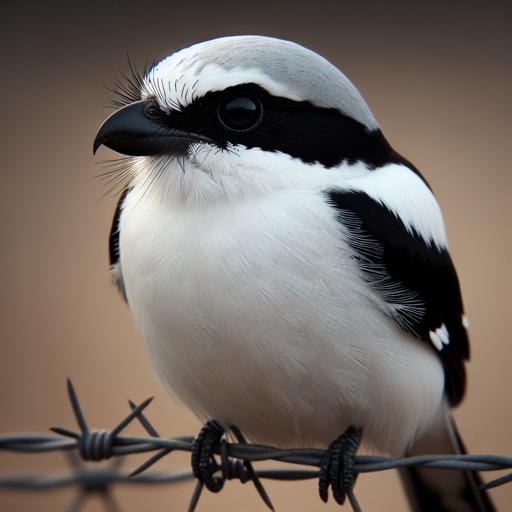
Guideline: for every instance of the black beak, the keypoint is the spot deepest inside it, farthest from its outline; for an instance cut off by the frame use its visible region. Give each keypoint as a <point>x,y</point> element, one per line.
<point>130,132</point>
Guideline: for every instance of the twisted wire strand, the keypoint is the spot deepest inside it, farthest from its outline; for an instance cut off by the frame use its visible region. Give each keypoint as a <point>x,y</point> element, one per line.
<point>235,458</point>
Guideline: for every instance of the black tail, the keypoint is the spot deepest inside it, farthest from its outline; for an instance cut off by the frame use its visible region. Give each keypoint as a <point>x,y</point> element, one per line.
<point>442,490</point>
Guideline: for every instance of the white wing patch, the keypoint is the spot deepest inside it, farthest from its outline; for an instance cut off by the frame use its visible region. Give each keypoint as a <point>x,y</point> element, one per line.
<point>406,195</point>
<point>440,337</point>
<point>465,321</point>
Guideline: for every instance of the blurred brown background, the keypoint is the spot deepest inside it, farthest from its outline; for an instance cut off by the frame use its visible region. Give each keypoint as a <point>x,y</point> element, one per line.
<point>438,79</point>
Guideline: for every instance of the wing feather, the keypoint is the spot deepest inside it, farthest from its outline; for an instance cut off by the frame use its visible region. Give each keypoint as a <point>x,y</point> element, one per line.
<point>416,279</point>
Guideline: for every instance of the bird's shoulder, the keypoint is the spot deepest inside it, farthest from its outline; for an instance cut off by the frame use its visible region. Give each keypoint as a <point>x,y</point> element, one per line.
<point>394,224</point>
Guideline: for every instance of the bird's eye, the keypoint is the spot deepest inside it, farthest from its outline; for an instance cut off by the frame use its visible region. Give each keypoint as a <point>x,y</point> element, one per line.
<point>152,110</point>
<point>240,114</point>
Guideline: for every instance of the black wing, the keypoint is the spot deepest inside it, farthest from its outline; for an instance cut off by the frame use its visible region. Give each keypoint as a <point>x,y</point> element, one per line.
<point>419,279</point>
<point>113,245</point>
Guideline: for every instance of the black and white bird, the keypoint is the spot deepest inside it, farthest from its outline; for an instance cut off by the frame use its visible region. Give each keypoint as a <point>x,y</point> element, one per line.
<point>287,269</point>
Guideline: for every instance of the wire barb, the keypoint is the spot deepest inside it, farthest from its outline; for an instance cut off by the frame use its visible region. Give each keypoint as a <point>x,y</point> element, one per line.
<point>95,444</point>
<point>152,432</point>
<point>250,471</point>
<point>235,460</point>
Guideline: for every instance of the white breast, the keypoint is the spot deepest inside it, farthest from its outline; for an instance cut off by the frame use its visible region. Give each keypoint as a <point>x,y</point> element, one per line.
<point>253,313</point>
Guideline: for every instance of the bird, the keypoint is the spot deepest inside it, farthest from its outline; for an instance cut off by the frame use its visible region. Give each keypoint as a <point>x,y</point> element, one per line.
<point>288,271</point>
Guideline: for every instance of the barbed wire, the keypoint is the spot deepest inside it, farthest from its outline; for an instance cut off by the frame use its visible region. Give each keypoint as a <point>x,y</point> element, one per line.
<point>236,460</point>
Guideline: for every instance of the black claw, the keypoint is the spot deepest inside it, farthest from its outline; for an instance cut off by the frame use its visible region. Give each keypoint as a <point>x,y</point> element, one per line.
<point>210,473</point>
<point>323,478</point>
<point>337,466</point>
<point>204,465</point>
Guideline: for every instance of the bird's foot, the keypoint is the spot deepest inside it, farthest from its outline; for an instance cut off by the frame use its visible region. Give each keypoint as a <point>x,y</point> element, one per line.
<point>210,473</point>
<point>337,466</point>
<point>204,465</point>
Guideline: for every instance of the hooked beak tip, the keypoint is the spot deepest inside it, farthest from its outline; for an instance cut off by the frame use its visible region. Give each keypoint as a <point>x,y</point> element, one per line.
<point>96,146</point>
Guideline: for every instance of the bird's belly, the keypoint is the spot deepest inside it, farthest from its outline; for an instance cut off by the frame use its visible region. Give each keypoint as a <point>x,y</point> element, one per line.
<point>255,315</point>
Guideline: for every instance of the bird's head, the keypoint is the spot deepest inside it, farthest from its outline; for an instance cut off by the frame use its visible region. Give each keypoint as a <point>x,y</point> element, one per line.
<point>237,115</point>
